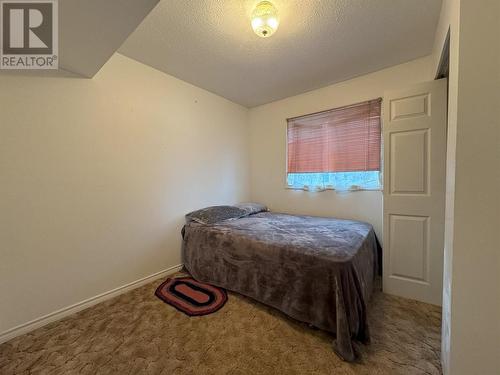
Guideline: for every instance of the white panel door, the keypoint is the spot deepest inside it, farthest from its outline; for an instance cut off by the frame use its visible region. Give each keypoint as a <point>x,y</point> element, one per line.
<point>414,132</point>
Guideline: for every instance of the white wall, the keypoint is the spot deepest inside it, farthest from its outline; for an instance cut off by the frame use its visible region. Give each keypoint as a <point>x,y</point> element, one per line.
<point>96,176</point>
<point>471,296</point>
<point>268,145</point>
<point>449,20</point>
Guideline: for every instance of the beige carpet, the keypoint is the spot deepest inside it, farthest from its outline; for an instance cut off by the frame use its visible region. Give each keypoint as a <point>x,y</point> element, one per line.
<point>136,333</point>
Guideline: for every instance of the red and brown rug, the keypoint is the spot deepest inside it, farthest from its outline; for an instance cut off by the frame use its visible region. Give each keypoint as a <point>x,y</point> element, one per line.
<point>190,296</point>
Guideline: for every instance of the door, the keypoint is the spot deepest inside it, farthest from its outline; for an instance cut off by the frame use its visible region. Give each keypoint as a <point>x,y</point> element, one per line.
<point>414,132</point>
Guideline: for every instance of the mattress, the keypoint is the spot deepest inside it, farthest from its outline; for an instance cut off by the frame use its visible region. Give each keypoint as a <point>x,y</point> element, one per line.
<point>314,269</point>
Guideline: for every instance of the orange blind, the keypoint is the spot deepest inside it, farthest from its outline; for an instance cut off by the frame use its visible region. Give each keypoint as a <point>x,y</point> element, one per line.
<point>345,139</point>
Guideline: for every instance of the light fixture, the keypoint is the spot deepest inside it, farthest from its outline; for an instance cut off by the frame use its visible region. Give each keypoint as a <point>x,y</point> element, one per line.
<point>265,19</point>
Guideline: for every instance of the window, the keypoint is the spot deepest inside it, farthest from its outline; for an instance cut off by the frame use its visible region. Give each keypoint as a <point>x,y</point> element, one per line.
<point>336,149</point>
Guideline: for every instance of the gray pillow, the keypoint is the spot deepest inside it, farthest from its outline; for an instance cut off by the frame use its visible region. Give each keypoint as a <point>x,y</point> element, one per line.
<point>215,214</point>
<point>252,208</point>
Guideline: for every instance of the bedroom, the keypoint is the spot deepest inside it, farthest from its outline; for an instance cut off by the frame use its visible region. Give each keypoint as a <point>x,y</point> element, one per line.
<point>162,108</point>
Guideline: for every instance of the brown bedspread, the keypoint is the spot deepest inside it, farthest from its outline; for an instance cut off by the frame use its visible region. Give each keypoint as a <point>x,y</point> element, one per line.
<point>316,270</point>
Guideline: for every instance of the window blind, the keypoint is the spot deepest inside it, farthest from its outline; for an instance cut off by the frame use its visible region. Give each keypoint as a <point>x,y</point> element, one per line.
<point>345,139</point>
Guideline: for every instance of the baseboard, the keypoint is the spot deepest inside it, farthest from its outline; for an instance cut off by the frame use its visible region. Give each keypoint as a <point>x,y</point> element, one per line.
<point>59,314</point>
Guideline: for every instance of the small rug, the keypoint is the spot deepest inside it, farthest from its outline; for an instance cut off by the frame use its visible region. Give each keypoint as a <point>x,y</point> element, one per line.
<point>190,296</point>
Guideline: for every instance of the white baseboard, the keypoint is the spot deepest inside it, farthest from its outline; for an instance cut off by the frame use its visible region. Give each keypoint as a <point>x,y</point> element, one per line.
<point>82,305</point>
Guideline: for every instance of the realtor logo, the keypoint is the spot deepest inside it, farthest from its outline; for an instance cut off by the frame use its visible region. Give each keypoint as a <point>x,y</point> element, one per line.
<point>28,34</point>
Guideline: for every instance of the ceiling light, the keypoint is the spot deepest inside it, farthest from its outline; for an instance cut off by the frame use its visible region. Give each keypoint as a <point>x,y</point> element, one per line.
<point>265,19</point>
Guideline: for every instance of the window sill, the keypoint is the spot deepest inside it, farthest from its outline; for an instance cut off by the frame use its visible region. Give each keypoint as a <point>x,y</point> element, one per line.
<point>319,190</point>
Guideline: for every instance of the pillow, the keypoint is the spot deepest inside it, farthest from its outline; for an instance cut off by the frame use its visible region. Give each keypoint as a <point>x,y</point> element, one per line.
<point>215,214</point>
<point>252,208</point>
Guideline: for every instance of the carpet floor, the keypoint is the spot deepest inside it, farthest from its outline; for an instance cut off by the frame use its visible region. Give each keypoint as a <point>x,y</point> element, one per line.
<point>136,333</point>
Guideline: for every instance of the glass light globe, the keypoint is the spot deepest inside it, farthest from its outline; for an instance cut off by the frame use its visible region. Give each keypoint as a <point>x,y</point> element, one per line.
<point>265,19</point>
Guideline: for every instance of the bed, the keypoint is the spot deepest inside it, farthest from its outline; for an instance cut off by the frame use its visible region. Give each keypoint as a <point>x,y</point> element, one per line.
<point>314,269</point>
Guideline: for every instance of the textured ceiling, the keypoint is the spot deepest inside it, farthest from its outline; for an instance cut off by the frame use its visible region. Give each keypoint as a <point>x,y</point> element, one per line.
<point>210,43</point>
